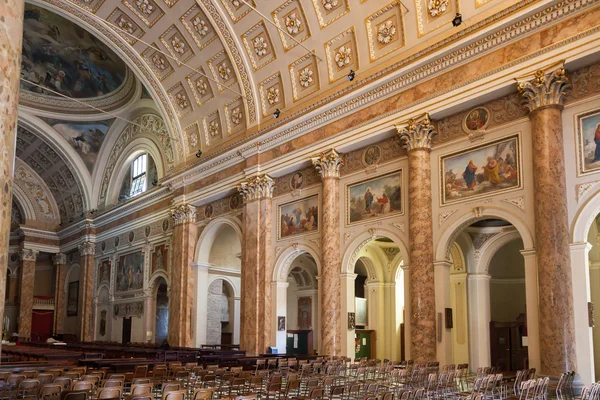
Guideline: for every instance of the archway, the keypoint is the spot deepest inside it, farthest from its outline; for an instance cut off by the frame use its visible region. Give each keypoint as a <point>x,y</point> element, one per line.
<point>221,318</point>
<point>161,304</point>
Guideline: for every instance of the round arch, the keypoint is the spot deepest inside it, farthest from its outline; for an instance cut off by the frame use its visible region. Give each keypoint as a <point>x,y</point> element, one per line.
<point>153,283</point>
<point>449,234</point>
<point>287,256</point>
<point>209,234</point>
<point>68,276</point>
<point>213,278</point>
<point>585,218</point>
<point>23,202</point>
<point>491,248</point>
<point>360,241</point>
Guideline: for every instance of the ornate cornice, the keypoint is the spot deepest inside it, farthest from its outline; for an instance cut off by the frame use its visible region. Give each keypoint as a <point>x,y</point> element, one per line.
<point>328,164</point>
<point>183,213</point>
<point>28,255</point>
<point>59,259</point>
<point>87,249</point>
<point>547,88</point>
<point>417,134</point>
<point>259,187</point>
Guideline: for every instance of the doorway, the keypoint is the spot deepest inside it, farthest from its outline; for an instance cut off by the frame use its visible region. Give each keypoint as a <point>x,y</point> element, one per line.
<point>126,330</point>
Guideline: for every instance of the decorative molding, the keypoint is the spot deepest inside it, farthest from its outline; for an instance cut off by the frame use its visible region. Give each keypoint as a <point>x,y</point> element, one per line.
<point>183,213</point>
<point>59,259</point>
<point>87,249</point>
<point>478,211</point>
<point>28,255</point>
<point>399,226</point>
<point>479,239</point>
<point>317,242</point>
<point>546,88</point>
<point>444,216</point>
<point>516,201</point>
<point>328,164</point>
<point>347,237</point>
<point>259,187</point>
<point>583,188</point>
<point>417,134</point>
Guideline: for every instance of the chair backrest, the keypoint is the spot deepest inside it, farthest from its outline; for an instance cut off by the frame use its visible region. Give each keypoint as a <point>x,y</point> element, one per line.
<point>112,383</point>
<point>30,373</point>
<point>29,384</point>
<point>405,395</point>
<point>388,396</point>
<point>169,387</point>
<point>56,371</point>
<point>316,393</point>
<point>65,395</point>
<point>202,394</point>
<point>140,380</point>
<point>148,396</point>
<point>14,380</point>
<point>72,374</point>
<point>45,378</point>
<point>83,385</point>
<point>64,382</point>
<point>50,390</point>
<point>175,395</point>
<point>141,388</point>
<point>109,393</point>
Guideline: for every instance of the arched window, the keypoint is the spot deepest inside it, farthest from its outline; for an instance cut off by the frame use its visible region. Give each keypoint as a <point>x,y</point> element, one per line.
<point>141,176</point>
<point>138,175</point>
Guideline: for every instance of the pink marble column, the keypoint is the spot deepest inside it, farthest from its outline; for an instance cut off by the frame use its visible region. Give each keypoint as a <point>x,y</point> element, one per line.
<point>60,262</point>
<point>28,258</point>
<point>181,296</point>
<point>11,35</point>
<point>87,253</point>
<point>416,136</point>
<point>328,166</point>
<point>543,97</point>
<point>256,317</point>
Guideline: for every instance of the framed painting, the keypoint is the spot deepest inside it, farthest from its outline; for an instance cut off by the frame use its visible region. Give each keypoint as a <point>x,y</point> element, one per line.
<point>588,142</point>
<point>481,171</point>
<point>374,198</point>
<point>300,217</point>
<point>305,312</point>
<point>361,311</point>
<point>130,272</point>
<point>73,299</point>
<point>103,271</point>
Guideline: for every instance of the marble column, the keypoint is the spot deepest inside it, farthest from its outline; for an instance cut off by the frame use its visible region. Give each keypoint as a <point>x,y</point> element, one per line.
<point>478,289</point>
<point>60,263</point>
<point>256,314</point>
<point>87,253</point>
<point>28,258</point>
<point>543,96</point>
<point>328,166</point>
<point>532,307</point>
<point>443,301</point>
<point>11,35</point>
<point>181,297</point>
<point>416,136</point>
<point>201,278</point>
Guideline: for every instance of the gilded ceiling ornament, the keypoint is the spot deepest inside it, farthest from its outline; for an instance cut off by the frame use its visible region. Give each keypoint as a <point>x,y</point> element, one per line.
<point>213,127</point>
<point>386,32</point>
<point>236,115</point>
<point>202,86</point>
<point>343,56</point>
<point>178,45</point>
<point>437,7</point>
<point>182,100</point>
<point>293,23</point>
<point>306,77</point>
<point>330,4</point>
<point>273,95</point>
<point>200,26</point>
<point>159,61</point>
<point>260,46</point>
<point>125,25</point>
<point>236,3</point>
<point>224,71</point>
<point>193,139</point>
<point>145,7</point>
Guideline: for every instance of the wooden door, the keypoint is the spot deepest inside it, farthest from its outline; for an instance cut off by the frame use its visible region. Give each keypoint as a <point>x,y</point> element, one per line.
<point>126,330</point>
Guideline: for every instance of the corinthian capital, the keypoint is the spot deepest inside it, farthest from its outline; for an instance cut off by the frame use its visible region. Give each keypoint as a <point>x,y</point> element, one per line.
<point>59,259</point>
<point>259,187</point>
<point>28,255</point>
<point>545,89</point>
<point>183,213</point>
<point>328,164</point>
<point>416,134</point>
<point>87,249</point>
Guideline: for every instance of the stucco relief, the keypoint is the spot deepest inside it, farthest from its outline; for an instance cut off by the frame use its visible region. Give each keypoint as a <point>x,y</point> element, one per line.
<point>37,192</point>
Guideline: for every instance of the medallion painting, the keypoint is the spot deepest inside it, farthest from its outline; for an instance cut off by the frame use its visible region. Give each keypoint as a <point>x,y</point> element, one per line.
<point>160,258</point>
<point>84,137</point>
<point>299,217</point>
<point>130,272</point>
<point>588,138</point>
<point>374,198</point>
<point>63,57</point>
<point>481,171</point>
<point>104,272</point>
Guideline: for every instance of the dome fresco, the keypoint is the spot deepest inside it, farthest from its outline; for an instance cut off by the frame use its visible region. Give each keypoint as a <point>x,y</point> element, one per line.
<point>63,57</point>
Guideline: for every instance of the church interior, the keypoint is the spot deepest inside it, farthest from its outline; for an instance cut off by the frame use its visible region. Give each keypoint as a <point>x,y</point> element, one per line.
<point>312,199</point>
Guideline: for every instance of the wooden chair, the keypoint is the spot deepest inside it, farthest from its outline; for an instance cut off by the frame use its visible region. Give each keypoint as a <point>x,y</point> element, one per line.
<point>202,394</point>
<point>175,395</point>
<point>30,374</point>
<point>67,395</point>
<point>82,386</point>
<point>112,383</point>
<point>141,389</point>
<point>50,391</point>
<point>140,371</point>
<point>109,393</point>
<point>45,378</point>
<point>28,388</point>
<point>63,381</point>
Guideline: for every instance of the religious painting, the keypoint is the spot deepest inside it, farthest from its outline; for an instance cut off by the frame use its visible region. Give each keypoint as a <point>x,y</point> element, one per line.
<point>297,181</point>
<point>102,322</point>
<point>371,156</point>
<point>160,258</point>
<point>481,170</point>
<point>104,271</point>
<point>281,324</point>
<point>588,138</point>
<point>476,120</point>
<point>129,309</point>
<point>60,56</point>
<point>85,138</point>
<point>147,230</point>
<point>73,299</point>
<point>208,211</point>
<point>300,217</point>
<point>117,241</point>
<point>361,311</point>
<point>131,236</point>
<point>374,198</point>
<point>130,272</point>
<point>305,312</point>
<point>165,225</point>
<point>235,201</point>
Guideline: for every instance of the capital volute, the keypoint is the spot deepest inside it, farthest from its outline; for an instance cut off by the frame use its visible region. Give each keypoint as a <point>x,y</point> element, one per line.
<point>183,213</point>
<point>545,88</point>
<point>87,249</point>
<point>328,164</point>
<point>28,254</point>
<point>416,134</point>
<point>59,259</point>
<point>259,187</point>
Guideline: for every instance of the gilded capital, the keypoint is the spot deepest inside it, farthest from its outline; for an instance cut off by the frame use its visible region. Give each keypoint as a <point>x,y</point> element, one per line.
<point>28,255</point>
<point>328,164</point>
<point>87,249</point>
<point>416,134</point>
<point>259,187</point>
<point>59,259</point>
<point>183,213</point>
<point>545,89</point>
